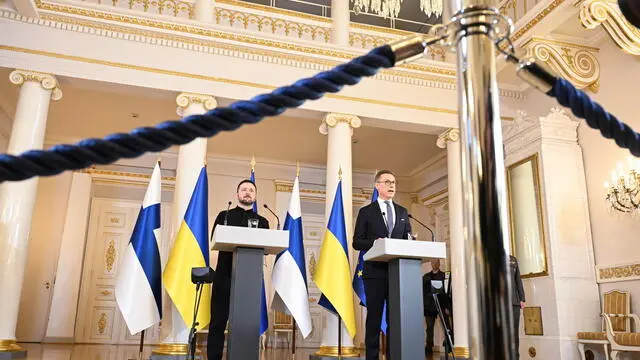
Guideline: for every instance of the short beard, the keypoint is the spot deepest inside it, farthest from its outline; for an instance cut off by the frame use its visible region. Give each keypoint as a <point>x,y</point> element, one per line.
<point>246,203</point>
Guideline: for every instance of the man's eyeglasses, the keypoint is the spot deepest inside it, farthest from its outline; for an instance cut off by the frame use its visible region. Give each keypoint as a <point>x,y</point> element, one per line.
<point>387,182</point>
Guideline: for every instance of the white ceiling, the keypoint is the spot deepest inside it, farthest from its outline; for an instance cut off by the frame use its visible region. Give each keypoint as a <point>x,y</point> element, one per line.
<point>96,109</point>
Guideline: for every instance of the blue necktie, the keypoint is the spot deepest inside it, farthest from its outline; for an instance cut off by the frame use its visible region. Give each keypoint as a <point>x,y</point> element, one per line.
<point>389,217</point>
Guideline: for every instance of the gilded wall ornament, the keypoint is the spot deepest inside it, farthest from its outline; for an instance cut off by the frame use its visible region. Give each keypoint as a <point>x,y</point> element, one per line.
<point>606,13</point>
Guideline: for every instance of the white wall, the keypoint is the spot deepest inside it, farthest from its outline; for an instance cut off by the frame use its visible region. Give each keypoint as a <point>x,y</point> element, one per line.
<point>615,238</point>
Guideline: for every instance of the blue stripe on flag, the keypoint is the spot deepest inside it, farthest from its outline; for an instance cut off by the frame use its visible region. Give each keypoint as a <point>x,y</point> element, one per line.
<point>296,247</point>
<point>198,220</point>
<point>145,246</point>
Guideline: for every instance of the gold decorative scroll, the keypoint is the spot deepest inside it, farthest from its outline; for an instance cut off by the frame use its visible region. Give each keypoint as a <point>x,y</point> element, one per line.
<point>110,256</point>
<point>575,62</point>
<point>175,7</point>
<point>312,265</point>
<point>622,272</point>
<point>102,323</point>
<point>607,13</point>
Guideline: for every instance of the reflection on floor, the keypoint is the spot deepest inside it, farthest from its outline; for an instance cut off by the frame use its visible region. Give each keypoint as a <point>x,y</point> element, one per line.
<point>125,352</point>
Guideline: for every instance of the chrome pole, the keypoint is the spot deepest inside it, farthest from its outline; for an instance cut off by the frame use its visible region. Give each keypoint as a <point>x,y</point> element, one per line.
<point>483,176</point>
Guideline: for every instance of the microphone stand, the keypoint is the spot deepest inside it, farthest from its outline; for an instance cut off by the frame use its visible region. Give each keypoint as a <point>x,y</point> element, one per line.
<point>274,214</point>
<point>226,216</point>
<point>433,238</point>
<point>192,333</point>
<point>447,332</point>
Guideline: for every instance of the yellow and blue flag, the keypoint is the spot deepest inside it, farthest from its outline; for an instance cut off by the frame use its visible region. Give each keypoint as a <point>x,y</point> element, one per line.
<point>190,250</point>
<point>332,275</point>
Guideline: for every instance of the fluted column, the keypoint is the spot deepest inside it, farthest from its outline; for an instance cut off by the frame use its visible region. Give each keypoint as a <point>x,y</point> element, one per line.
<point>340,17</point>
<point>191,158</point>
<point>339,129</point>
<point>450,140</point>
<point>17,199</point>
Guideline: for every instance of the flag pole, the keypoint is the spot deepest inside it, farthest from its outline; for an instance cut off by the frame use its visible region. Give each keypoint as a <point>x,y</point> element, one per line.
<point>141,345</point>
<point>339,337</point>
<point>293,340</point>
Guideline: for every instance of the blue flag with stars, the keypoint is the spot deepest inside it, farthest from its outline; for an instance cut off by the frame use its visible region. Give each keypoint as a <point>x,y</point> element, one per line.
<point>358,283</point>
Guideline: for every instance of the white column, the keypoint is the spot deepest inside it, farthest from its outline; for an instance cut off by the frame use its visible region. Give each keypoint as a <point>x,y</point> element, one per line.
<point>17,199</point>
<point>450,140</point>
<point>340,22</point>
<point>204,10</point>
<point>191,158</point>
<point>339,129</point>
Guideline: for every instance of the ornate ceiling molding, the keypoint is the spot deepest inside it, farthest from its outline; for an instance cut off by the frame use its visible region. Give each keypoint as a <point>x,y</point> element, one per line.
<point>575,62</point>
<point>202,39</point>
<point>606,13</point>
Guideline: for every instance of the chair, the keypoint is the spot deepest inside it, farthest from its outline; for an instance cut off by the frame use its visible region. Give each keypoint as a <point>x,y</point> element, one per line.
<point>618,326</point>
<point>616,306</point>
<point>283,323</point>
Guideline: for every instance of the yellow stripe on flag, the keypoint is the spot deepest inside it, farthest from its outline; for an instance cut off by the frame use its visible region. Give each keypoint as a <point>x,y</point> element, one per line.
<point>186,254</point>
<point>333,278</point>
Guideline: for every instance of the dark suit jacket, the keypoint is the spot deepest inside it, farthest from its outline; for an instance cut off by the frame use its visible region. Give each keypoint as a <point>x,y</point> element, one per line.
<point>370,226</point>
<point>428,303</point>
<point>518,290</point>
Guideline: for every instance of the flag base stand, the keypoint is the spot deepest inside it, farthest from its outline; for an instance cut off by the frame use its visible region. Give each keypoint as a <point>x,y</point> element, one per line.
<point>170,352</point>
<point>331,353</point>
<point>174,352</point>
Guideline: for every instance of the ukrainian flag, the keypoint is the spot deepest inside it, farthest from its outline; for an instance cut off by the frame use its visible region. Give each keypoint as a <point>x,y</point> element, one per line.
<point>332,275</point>
<point>190,250</point>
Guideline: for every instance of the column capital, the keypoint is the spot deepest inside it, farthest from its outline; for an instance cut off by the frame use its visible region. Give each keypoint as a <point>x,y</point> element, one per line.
<point>185,99</point>
<point>333,119</point>
<point>47,81</point>
<point>451,135</point>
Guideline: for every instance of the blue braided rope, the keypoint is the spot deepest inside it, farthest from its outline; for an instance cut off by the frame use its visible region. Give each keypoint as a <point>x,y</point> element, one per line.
<point>597,117</point>
<point>153,139</point>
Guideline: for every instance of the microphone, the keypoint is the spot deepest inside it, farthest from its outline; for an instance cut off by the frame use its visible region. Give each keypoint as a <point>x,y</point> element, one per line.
<point>274,214</point>
<point>433,239</point>
<point>386,224</point>
<point>226,214</point>
<point>631,11</point>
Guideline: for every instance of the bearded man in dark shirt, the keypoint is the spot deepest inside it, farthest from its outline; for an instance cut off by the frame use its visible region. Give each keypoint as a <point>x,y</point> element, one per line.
<point>241,215</point>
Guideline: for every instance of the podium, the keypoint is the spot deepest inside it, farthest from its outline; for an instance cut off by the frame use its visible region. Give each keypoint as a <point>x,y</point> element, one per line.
<point>248,245</point>
<point>406,337</point>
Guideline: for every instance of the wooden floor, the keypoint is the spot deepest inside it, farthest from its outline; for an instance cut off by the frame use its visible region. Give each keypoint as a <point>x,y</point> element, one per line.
<point>124,352</point>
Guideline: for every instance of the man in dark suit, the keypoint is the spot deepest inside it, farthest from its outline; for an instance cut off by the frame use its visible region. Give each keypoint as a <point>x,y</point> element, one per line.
<point>517,299</point>
<point>430,308</point>
<point>380,219</point>
<point>221,292</point>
